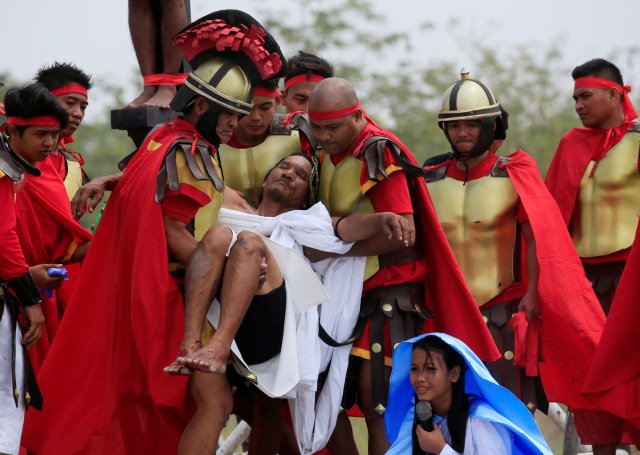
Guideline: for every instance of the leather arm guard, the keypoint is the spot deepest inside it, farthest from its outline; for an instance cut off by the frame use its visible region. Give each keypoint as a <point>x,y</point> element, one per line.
<point>25,290</point>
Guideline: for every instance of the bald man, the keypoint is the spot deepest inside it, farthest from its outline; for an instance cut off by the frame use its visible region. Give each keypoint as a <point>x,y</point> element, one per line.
<point>368,169</point>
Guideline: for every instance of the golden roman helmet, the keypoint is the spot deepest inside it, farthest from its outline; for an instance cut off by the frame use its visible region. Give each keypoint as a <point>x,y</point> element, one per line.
<point>229,52</point>
<point>469,99</point>
<point>221,81</point>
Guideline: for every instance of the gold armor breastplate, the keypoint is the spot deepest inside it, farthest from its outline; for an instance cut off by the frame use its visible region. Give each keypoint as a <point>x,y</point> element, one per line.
<point>73,180</point>
<point>606,214</point>
<point>340,187</point>
<point>340,192</point>
<point>245,169</point>
<point>479,220</point>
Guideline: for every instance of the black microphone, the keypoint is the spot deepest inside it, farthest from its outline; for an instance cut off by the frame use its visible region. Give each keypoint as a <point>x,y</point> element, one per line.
<point>424,413</point>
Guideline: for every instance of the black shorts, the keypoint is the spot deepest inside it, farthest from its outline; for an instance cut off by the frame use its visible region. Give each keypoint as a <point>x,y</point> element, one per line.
<point>259,337</point>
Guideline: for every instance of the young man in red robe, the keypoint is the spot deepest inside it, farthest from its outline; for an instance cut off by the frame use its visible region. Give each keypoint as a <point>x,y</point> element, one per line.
<point>506,233</point>
<point>34,120</point>
<point>367,169</point>
<point>595,179</point>
<point>127,307</point>
<point>48,232</point>
<point>70,85</point>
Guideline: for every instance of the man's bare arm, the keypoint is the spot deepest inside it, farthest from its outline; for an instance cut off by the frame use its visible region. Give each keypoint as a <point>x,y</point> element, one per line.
<point>180,242</point>
<point>90,194</point>
<point>380,233</point>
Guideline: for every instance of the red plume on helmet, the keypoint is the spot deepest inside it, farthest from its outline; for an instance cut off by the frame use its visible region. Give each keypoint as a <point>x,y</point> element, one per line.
<point>233,37</point>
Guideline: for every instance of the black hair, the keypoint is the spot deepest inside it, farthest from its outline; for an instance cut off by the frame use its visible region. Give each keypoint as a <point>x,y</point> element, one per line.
<point>33,100</point>
<point>314,177</point>
<point>269,84</point>
<point>459,410</point>
<point>306,63</point>
<point>598,67</point>
<point>61,74</point>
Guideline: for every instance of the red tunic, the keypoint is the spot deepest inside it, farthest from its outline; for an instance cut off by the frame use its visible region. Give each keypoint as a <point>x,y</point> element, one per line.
<point>48,234</point>
<point>104,388</point>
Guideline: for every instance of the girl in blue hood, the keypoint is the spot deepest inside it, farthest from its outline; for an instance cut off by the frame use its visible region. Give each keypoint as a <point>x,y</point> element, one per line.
<point>472,414</point>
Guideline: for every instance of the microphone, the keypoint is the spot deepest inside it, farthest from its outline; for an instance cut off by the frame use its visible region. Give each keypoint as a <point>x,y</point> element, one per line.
<point>424,413</point>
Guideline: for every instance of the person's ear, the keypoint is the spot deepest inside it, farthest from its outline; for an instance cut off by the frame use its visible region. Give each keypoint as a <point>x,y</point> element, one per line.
<point>454,374</point>
<point>201,105</point>
<point>358,115</point>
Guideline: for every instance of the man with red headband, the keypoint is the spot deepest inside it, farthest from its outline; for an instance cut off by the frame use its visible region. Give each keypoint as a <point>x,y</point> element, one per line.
<point>367,169</point>
<point>304,71</point>
<point>70,85</point>
<point>28,137</point>
<point>127,307</point>
<point>48,232</point>
<point>595,179</point>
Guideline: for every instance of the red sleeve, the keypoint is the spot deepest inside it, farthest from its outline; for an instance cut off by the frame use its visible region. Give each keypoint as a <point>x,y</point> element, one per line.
<point>391,195</point>
<point>12,263</point>
<point>182,204</point>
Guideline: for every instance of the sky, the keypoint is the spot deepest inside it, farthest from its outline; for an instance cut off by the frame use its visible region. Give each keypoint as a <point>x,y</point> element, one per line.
<point>94,34</point>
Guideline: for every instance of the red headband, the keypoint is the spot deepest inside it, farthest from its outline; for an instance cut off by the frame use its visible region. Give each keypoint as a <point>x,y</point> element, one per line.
<point>330,115</point>
<point>164,79</point>
<point>302,78</point>
<point>39,120</point>
<point>598,82</point>
<point>263,91</point>
<point>70,88</point>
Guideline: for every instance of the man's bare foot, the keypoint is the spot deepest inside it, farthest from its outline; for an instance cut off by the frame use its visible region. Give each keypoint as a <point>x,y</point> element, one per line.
<point>147,93</point>
<point>210,359</point>
<point>178,369</point>
<point>162,97</point>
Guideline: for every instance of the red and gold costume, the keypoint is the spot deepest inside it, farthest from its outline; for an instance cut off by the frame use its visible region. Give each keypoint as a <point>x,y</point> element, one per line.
<point>371,176</point>
<point>127,311</point>
<point>595,179</point>
<point>570,321</point>
<point>125,320</point>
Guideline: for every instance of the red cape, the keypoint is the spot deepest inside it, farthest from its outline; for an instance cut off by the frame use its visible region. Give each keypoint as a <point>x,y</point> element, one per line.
<point>12,263</point>
<point>48,234</point>
<point>103,385</point>
<point>447,294</point>
<point>576,149</point>
<point>571,318</point>
<point>614,378</point>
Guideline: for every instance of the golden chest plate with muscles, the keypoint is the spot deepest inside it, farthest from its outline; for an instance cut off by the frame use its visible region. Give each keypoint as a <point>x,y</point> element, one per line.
<point>606,214</point>
<point>479,221</point>
<point>340,192</point>
<point>73,180</point>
